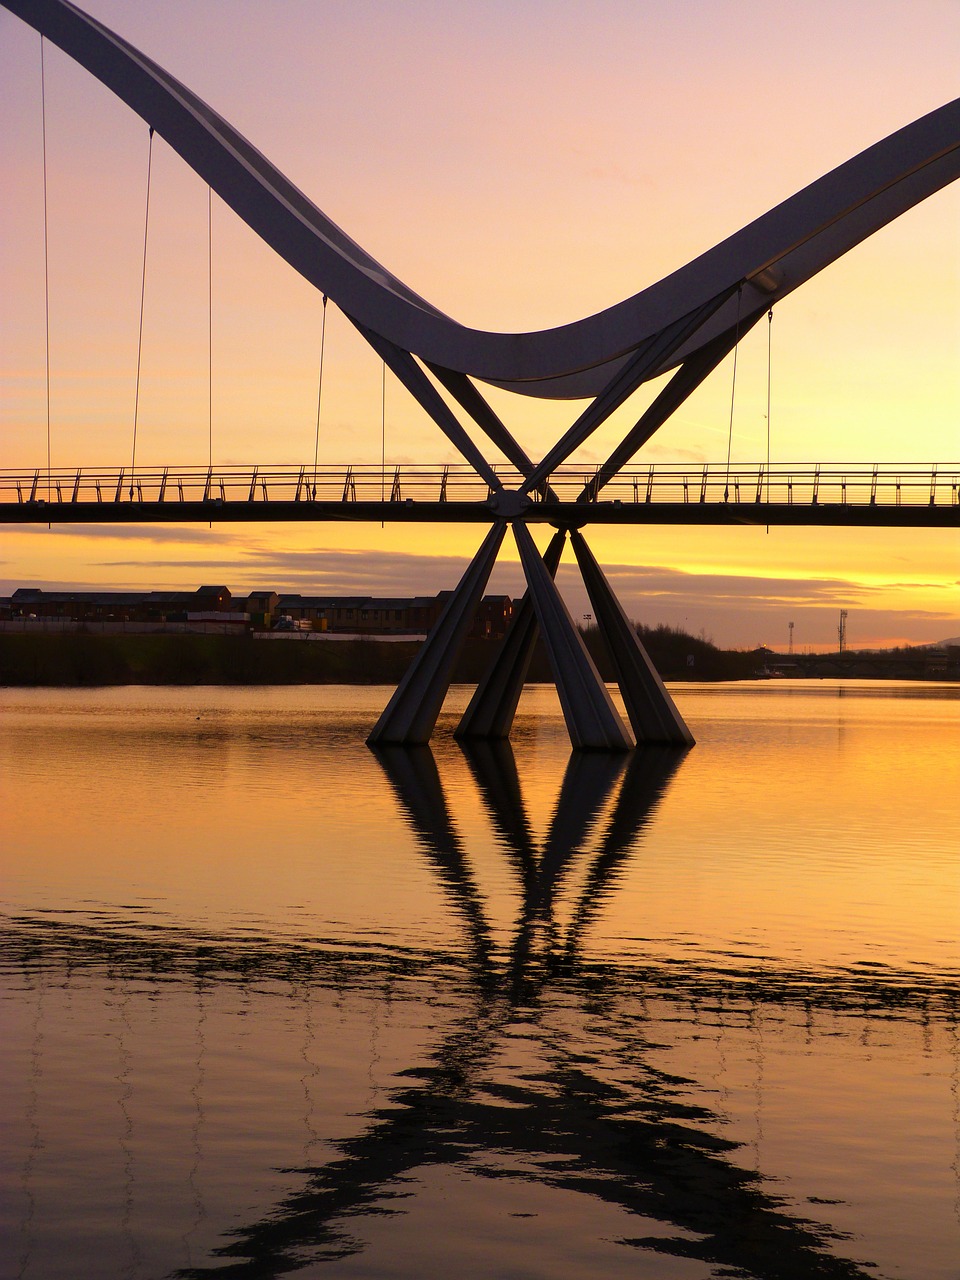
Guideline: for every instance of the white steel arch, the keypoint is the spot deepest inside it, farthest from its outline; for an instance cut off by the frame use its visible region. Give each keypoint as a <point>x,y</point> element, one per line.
<point>766,260</point>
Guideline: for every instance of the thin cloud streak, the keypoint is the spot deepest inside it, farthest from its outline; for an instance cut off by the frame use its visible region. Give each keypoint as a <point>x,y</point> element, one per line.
<point>183,535</point>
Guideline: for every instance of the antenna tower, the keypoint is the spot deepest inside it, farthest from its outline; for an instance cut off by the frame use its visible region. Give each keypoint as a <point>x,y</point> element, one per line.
<point>842,630</point>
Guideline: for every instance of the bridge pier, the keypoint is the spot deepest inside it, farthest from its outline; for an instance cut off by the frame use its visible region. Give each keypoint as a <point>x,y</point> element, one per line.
<point>411,714</point>
<point>493,706</point>
<point>592,720</point>
<point>653,715</point>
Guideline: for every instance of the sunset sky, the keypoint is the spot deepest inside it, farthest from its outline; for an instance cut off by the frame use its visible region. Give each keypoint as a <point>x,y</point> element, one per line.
<point>520,165</point>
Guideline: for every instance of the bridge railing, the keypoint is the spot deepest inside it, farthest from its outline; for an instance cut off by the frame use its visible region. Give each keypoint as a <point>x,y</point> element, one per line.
<point>343,483</point>
<point>801,485</point>
<point>807,485</point>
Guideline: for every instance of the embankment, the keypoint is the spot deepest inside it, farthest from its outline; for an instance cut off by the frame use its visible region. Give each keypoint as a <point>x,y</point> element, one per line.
<point>81,660</point>
<point>88,660</point>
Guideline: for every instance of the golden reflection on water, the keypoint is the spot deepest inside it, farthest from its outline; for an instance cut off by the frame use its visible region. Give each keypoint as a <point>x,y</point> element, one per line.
<point>288,1000</point>
<point>224,804</point>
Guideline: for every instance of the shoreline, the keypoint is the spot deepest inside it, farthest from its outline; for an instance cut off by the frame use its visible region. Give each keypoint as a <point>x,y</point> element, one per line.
<point>84,660</point>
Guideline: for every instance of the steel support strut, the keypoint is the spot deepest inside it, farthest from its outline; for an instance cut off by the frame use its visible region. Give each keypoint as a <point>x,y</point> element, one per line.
<point>411,714</point>
<point>592,720</point>
<point>652,711</point>
<point>493,706</point>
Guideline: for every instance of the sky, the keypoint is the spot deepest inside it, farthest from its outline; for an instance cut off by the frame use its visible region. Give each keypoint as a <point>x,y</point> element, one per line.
<point>520,165</point>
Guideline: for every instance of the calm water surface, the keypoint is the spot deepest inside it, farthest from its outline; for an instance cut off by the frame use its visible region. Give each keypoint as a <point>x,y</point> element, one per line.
<point>274,1004</point>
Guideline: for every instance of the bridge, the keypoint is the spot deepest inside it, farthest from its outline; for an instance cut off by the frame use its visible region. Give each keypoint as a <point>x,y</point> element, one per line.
<point>903,497</point>
<point>683,326</point>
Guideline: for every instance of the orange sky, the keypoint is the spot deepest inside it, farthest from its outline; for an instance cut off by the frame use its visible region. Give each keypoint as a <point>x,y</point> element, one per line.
<point>520,165</point>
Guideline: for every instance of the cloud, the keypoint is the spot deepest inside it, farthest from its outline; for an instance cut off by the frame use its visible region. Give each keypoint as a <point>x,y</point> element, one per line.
<point>734,609</point>
<point>673,453</point>
<point>183,534</point>
<point>329,570</point>
<point>744,610</point>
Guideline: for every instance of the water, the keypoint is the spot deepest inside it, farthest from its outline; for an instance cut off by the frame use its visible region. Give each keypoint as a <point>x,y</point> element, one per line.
<point>274,1004</point>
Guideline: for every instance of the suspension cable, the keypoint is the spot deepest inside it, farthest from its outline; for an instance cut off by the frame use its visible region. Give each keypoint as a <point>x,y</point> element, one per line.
<point>46,253</point>
<point>733,391</point>
<point>383,430</point>
<point>769,381</point>
<point>316,443</point>
<point>209,328</point>
<point>143,286</point>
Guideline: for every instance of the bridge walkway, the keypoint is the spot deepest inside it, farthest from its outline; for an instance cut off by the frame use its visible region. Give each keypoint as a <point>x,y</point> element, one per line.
<point>894,496</point>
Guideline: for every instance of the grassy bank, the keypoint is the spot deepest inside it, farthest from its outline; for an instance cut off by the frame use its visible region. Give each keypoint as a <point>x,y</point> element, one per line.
<point>90,660</point>
<point>81,660</point>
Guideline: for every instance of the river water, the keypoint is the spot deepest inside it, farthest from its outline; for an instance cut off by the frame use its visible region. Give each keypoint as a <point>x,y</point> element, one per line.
<point>275,1004</point>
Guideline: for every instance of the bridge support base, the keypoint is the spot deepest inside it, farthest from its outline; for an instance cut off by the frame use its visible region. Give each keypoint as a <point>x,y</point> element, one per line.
<point>592,720</point>
<point>411,714</point>
<point>652,712</point>
<point>493,706</point>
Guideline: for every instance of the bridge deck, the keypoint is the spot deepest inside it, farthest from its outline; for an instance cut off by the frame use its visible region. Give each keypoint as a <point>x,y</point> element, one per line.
<point>907,496</point>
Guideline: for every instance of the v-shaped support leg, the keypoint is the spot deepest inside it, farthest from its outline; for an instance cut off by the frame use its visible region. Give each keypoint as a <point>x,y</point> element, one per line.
<point>411,714</point>
<point>493,706</point>
<point>592,720</point>
<point>652,711</point>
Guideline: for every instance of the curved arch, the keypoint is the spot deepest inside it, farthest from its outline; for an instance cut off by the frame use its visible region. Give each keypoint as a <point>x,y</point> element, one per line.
<point>771,256</point>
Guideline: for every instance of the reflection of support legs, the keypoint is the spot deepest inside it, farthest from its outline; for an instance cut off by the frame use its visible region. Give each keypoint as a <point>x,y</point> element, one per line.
<point>652,712</point>
<point>494,769</point>
<point>592,719</point>
<point>412,712</point>
<point>413,773</point>
<point>494,704</point>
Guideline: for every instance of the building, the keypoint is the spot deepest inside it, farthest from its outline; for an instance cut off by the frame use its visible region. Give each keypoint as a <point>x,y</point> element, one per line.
<point>259,610</point>
<point>390,615</point>
<point>118,606</point>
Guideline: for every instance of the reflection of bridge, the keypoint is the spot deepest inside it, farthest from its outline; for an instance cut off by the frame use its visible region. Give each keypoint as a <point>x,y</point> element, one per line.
<point>685,325</point>
<point>610,1127</point>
